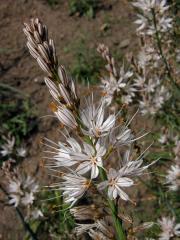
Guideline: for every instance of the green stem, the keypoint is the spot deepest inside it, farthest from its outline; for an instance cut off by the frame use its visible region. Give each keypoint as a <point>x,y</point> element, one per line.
<point>114,211</point>
<point>26,225</point>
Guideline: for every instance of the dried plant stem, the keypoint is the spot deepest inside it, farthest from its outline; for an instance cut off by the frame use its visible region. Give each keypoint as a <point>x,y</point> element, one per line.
<point>159,45</point>
<point>117,221</point>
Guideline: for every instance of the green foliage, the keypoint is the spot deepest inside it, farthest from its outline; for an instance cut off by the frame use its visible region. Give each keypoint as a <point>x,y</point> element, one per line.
<point>16,114</point>
<point>57,218</point>
<point>17,118</point>
<point>84,7</point>
<point>169,116</point>
<point>87,64</point>
<point>52,3</point>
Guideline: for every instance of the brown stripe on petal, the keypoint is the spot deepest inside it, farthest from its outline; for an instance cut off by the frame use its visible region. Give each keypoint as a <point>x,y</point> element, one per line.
<point>43,65</point>
<point>37,37</point>
<point>63,76</point>
<point>32,50</point>
<point>26,32</point>
<point>43,52</point>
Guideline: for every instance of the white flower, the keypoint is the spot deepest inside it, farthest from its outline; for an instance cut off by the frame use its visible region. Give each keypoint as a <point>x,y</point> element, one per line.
<point>21,152</point>
<point>115,183</point>
<point>148,5</point>
<point>132,168</point>
<point>21,190</point>
<point>163,138</point>
<point>165,24</point>
<point>169,228</point>
<point>36,214</point>
<point>176,151</point>
<point>154,102</point>
<point>142,22</point>
<point>86,158</point>
<point>149,9</point>
<point>28,198</point>
<point>145,5</point>
<point>119,179</point>
<point>123,137</point>
<point>173,177</point>
<point>94,121</point>
<point>15,199</point>
<point>120,83</point>
<point>92,159</point>
<point>7,147</point>
<point>73,186</point>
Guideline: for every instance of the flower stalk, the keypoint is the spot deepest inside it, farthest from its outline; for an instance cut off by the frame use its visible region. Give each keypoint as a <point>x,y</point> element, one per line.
<point>114,211</point>
<point>95,134</point>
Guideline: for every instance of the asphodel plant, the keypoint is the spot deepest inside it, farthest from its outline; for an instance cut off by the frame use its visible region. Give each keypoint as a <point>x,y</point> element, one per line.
<point>94,158</point>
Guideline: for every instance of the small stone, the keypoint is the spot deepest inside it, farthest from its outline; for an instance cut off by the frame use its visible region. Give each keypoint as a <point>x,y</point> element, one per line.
<point>104,27</point>
<point>125,43</point>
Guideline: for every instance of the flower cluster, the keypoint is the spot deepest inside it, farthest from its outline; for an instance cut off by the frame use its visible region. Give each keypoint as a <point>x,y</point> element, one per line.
<point>117,83</point>
<point>173,174</point>
<point>21,189</point>
<point>151,91</point>
<point>94,136</point>
<point>169,228</point>
<point>152,67</point>
<point>60,85</point>
<point>9,149</point>
<point>150,11</point>
<point>146,81</point>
